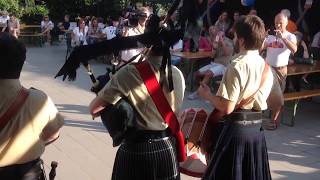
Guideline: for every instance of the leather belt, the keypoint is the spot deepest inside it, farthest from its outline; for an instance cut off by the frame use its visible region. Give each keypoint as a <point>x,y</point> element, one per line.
<point>246,123</point>
<point>280,67</point>
<point>245,115</point>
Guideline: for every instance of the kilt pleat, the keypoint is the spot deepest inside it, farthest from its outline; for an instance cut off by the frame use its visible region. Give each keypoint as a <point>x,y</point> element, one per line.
<point>154,160</point>
<point>240,154</point>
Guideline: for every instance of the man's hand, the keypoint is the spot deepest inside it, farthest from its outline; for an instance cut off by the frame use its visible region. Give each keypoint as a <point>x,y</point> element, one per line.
<point>279,34</point>
<point>204,90</point>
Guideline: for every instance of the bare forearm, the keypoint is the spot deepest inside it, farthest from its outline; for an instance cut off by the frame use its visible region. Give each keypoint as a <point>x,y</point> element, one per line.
<point>221,104</point>
<point>291,45</point>
<point>96,105</point>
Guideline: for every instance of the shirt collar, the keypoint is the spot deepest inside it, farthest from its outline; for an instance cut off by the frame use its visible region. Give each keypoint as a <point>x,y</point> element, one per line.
<point>9,86</point>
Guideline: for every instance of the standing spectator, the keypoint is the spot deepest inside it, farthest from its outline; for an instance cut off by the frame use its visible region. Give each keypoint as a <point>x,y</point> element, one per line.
<point>223,23</point>
<point>14,25</point>
<point>133,29</point>
<point>240,152</point>
<point>3,21</point>
<point>279,47</point>
<point>79,34</point>
<point>315,46</point>
<point>67,30</point>
<point>33,126</point>
<point>291,27</point>
<point>46,28</point>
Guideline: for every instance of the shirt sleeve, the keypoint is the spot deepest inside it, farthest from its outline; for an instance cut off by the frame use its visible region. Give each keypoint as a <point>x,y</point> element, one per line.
<point>55,119</point>
<point>230,85</point>
<point>293,38</point>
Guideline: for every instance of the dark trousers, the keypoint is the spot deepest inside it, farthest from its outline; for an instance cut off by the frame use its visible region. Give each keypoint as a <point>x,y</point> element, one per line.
<point>27,171</point>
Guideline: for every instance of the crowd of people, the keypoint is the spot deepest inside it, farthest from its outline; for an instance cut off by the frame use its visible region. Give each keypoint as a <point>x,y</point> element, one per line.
<point>251,59</point>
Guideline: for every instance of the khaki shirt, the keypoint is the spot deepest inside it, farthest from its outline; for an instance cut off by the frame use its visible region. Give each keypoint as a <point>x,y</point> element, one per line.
<point>20,139</point>
<point>242,78</point>
<point>128,83</point>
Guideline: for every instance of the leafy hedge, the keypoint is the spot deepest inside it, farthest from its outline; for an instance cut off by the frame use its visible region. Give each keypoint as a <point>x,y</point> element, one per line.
<point>12,6</point>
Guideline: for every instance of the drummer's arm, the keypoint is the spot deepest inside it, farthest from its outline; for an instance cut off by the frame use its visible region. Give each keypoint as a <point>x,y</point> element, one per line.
<point>96,105</point>
<point>223,105</point>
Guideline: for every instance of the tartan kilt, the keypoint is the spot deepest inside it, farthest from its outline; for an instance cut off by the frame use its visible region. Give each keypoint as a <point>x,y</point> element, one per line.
<point>152,160</point>
<point>239,154</point>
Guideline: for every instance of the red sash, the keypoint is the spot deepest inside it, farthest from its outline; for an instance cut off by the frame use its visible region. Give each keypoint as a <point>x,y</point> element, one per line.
<point>162,105</point>
<point>14,107</point>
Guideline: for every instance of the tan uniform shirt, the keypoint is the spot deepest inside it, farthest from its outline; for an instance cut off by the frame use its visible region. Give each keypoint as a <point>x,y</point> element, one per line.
<point>242,78</point>
<point>20,139</point>
<point>128,83</point>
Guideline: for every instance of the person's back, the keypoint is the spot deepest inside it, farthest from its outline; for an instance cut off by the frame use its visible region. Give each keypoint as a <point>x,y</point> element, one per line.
<point>36,123</point>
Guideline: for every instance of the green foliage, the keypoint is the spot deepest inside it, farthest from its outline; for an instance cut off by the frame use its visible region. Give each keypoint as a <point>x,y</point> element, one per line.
<point>34,14</point>
<point>12,6</point>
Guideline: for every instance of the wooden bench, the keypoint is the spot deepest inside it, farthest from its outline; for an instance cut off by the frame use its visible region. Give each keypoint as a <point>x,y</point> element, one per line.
<point>296,97</point>
<point>32,33</point>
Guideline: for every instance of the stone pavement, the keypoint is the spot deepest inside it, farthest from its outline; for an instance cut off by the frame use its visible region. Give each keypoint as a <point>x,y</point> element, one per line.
<point>84,150</point>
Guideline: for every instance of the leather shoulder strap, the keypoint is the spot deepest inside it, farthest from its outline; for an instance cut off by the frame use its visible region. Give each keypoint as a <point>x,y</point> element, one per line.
<point>14,107</point>
<point>162,105</point>
<point>263,79</point>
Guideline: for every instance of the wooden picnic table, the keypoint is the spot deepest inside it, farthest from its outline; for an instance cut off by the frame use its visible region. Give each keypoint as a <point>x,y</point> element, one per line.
<point>192,56</point>
<point>300,69</point>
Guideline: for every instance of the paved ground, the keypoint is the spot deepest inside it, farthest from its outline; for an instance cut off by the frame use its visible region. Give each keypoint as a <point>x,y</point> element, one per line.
<point>84,150</point>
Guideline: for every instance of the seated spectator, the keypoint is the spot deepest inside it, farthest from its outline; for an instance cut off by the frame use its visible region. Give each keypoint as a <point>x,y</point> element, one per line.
<point>315,46</point>
<point>94,32</point>
<point>223,23</point>
<point>3,21</point>
<point>302,52</point>
<point>253,11</point>
<point>32,126</point>
<point>236,16</point>
<point>176,47</point>
<point>109,31</point>
<point>79,34</point>
<point>46,28</point>
<point>222,50</point>
<point>14,26</point>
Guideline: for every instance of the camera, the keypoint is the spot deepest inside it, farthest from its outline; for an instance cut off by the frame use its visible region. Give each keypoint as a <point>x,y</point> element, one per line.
<point>272,32</point>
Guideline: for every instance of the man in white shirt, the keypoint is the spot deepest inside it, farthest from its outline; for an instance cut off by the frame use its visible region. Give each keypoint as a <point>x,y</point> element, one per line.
<point>279,47</point>
<point>110,30</point>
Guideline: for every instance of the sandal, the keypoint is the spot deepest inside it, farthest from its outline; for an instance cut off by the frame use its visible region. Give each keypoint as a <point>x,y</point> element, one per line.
<point>270,125</point>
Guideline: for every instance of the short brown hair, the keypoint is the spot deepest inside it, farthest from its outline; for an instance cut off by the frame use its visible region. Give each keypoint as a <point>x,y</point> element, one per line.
<point>251,29</point>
